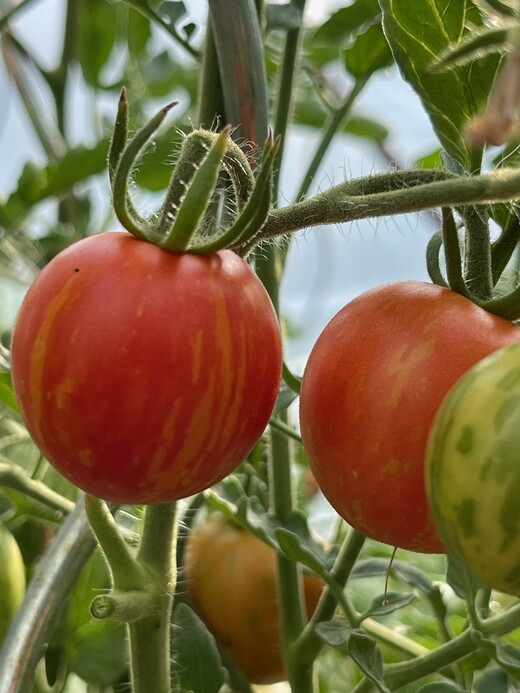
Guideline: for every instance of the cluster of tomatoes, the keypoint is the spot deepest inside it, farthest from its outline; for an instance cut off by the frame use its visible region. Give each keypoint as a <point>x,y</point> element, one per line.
<point>146,376</point>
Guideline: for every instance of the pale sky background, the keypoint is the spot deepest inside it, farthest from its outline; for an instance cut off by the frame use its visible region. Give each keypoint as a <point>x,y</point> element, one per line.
<point>327,267</point>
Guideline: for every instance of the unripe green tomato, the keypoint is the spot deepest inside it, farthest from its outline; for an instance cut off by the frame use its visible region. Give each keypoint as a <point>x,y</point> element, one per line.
<point>12,579</point>
<point>473,470</point>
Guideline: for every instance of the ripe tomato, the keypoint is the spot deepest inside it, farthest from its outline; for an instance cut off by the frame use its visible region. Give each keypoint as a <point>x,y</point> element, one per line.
<point>145,375</point>
<point>473,470</point>
<point>371,387</point>
<point>231,577</point>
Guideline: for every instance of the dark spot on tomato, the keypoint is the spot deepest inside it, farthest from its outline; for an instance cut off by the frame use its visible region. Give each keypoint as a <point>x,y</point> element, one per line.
<point>76,269</point>
<point>466,516</point>
<point>464,444</point>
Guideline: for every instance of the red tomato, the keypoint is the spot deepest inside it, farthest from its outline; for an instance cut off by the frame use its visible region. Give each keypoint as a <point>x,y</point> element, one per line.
<point>145,375</point>
<point>370,391</point>
<point>231,577</point>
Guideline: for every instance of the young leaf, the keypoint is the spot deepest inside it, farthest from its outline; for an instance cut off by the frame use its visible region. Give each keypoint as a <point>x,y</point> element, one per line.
<point>418,34</point>
<point>96,38</point>
<point>198,666</point>
<point>374,567</point>
<point>368,54</point>
<point>347,20</point>
<point>472,47</point>
<point>460,580</point>
<point>385,604</point>
<point>367,655</point>
<point>333,633</point>
<point>495,680</point>
<point>36,184</point>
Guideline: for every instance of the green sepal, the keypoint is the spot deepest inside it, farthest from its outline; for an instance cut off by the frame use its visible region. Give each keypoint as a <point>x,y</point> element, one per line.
<point>122,204</point>
<point>197,197</point>
<point>255,212</point>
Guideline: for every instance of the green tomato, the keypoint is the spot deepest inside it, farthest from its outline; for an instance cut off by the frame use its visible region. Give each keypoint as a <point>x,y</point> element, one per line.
<point>12,579</point>
<point>473,470</point>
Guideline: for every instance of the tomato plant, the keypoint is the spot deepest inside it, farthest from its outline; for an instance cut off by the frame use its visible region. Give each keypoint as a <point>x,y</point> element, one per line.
<point>371,387</point>
<point>231,579</point>
<point>148,372</point>
<point>145,375</point>
<point>473,470</point>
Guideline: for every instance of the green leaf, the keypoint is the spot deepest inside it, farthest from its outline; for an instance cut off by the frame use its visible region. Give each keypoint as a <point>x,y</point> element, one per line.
<point>292,538</point>
<point>388,603</point>
<point>375,567</point>
<point>198,667</point>
<point>431,160</point>
<point>138,33</point>
<point>369,53</point>
<point>284,17</point>
<point>97,38</point>
<point>508,657</point>
<point>420,32</point>
<point>39,183</point>
<point>7,397</point>
<point>93,650</point>
<point>495,680</point>
<point>310,112</point>
<point>368,128</point>
<point>347,21</point>
<point>285,398</point>
<point>367,655</point>
<point>474,46</point>
<point>333,633</point>
<point>460,579</point>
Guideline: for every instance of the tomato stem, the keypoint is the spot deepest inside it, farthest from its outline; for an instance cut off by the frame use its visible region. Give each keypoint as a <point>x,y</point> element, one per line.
<point>143,589</point>
<point>432,259</point>
<point>197,197</point>
<point>125,572</point>
<point>397,192</point>
<point>477,259</point>
<point>150,641</point>
<point>254,214</point>
<point>309,644</point>
<point>452,254</point>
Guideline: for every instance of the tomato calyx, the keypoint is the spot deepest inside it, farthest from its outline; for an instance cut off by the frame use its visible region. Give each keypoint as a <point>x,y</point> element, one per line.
<point>488,264</point>
<point>187,220</point>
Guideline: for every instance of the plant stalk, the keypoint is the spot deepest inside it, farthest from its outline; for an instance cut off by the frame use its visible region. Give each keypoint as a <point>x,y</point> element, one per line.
<point>150,641</point>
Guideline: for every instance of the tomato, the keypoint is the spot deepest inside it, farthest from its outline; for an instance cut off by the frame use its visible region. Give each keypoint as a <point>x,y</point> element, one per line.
<point>145,375</point>
<point>373,382</point>
<point>473,470</point>
<point>12,579</point>
<point>231,578</point>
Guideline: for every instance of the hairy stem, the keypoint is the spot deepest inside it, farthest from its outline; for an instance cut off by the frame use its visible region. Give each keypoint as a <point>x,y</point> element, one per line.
<point>405,191</point>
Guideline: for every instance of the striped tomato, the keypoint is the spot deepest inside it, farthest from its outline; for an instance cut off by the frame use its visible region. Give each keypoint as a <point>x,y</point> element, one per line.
<point>145,375</point>
<point>473,470</point>
<point>370,391</point>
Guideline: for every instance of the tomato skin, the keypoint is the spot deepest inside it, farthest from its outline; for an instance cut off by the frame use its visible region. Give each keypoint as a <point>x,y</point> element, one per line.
<point>370,390</point>
<point>145,375</point>
<point>231,577</point>
<point>12,579</point>
<point>473,470</point>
